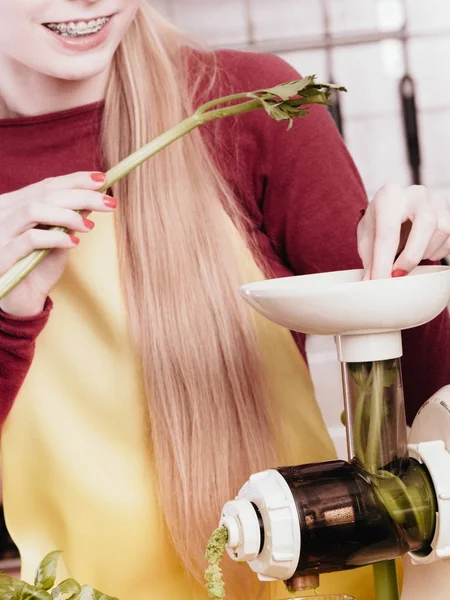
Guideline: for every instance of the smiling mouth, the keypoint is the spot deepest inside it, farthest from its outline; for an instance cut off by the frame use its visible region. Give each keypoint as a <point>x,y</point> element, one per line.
<point>78,28</point>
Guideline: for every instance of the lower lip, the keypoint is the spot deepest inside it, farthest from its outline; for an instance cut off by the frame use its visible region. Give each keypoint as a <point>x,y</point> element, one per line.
<point>85,42</point>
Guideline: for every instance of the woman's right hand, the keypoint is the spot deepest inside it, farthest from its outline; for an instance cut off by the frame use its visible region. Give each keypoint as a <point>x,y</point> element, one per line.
<point>52,202</point>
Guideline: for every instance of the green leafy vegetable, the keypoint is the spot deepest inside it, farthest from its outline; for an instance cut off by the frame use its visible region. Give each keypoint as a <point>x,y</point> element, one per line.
<point>46,573</point>
<point>66,589</point>
<point>14,589</point>
<point>213,574</point>
<point>283,102</point>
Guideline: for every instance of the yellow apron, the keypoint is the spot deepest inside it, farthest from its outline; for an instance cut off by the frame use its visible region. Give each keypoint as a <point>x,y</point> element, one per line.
<point>78,476</point>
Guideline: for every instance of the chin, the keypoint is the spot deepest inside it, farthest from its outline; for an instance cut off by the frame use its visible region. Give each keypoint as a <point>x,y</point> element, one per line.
<point>80,68</point>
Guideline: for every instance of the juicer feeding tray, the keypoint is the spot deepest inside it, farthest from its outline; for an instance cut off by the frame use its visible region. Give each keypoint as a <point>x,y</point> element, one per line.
<point>339,303</point>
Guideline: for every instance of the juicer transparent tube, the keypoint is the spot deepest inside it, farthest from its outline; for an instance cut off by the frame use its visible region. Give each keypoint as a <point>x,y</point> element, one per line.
<point>377,439</point>
<point>375,415</point>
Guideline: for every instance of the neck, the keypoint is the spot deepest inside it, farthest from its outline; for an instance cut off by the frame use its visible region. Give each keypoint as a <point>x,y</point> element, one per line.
<point>26,93</point>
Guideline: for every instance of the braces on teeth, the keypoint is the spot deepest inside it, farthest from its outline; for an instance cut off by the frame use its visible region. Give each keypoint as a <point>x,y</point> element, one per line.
<point>78,29</point>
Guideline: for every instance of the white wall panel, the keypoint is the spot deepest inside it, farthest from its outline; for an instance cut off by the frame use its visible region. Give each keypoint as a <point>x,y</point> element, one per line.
<point>378,148</point>
<point>435,133</point>
<point>308,62</point>
<point>428,15</point>
<point>221,23</point>
<point>429,59</point>
<point>372,90</point>
<point>286,19</point>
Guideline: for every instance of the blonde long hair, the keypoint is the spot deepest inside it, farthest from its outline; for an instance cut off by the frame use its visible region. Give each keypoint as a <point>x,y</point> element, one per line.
<point>209,420</point>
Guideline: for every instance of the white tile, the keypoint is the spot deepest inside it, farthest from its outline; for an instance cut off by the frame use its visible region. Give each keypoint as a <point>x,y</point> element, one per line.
<point>286,19</point>
<point>429,59</point>
<point>356,16</point>
<point>391,15</point>
<point>217,22</point>
<point>378,148</point>
<point>367,73</point>
<point>435,144</point>
<point>428,15</point>
<point>308,62</point>
<point>352,15</point>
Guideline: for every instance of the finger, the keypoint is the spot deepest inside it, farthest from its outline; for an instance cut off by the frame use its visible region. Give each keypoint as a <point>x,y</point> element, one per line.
<point>82,180</point>
<point>81,200</point>
<point>442,252</point>
<point>34,239</point>
<point>442,208</point>
<point>389,216</point>
<point>437,241</point>
<point>46,214</point>
<point>366,235</point>
<point>422,231</point>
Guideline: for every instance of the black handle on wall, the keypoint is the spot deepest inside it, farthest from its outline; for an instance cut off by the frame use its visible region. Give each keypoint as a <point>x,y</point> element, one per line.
<point>411,127</point>
<point>335,110</point>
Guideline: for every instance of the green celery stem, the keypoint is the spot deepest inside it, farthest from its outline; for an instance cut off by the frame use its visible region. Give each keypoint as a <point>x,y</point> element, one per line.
<point>385,576</point>
<point>211,111</point>
<point>202,116</point>
<point>376,420</point>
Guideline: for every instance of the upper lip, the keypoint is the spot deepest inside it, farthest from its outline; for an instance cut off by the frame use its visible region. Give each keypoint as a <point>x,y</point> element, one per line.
<point>86,20</point>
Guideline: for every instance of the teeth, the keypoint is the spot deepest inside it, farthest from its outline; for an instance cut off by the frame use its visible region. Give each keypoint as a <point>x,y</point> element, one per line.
<point>80,28</point>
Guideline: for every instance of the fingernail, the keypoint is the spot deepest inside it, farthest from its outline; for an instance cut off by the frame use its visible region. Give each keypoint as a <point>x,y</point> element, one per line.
<point>88,223</point>
<point>75,240</point>
<point>98,177</point>
<point>399,273</point>
<point>110,202</point>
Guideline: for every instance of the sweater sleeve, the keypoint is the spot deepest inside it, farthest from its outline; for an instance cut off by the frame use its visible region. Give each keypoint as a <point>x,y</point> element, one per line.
<point>17,343</point>
<point>313,200</point>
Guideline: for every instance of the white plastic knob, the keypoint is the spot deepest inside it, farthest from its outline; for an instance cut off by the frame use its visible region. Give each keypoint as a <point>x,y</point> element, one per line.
<point>244,536</point>
<point>279,555</point>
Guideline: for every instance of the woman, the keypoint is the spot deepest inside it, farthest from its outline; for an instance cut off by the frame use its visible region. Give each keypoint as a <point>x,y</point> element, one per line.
<point>147,403</point>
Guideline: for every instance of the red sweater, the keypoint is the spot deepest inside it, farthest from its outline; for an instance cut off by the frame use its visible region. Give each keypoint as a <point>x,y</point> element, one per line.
<point>300,189</point>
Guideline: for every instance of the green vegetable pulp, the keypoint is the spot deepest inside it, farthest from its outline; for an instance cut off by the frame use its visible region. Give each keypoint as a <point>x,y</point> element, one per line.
<point>213,574</point>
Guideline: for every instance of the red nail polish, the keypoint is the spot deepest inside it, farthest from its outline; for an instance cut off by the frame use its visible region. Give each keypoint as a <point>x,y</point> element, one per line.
<point>399,273</point>
<point>110,202</point>
<point>75,240</point>
<point>88,223</point>
<point>98,177</point>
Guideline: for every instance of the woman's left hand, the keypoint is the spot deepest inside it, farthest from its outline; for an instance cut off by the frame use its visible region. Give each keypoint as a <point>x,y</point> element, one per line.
<point>400,228</point>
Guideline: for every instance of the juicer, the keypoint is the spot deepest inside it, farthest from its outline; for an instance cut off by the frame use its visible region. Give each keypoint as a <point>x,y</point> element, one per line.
<point>391,499</point>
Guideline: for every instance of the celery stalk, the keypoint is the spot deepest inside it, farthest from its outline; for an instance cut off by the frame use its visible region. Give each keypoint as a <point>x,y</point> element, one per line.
<point>283,103</point>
